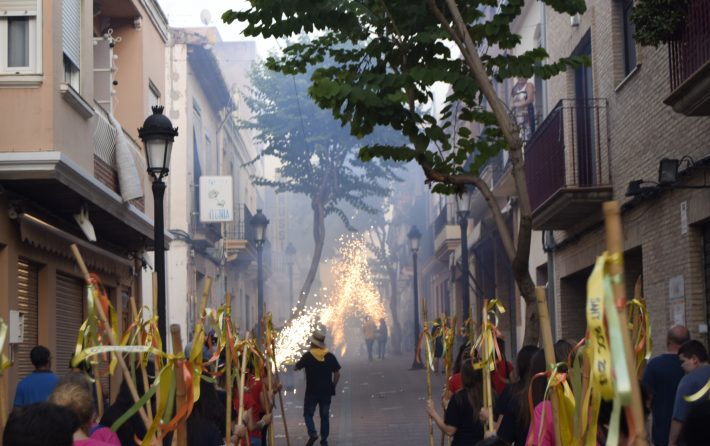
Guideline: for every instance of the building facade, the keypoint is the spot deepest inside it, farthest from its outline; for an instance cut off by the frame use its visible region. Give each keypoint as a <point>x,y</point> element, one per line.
<point>609,126</point>
<point>71,165</point>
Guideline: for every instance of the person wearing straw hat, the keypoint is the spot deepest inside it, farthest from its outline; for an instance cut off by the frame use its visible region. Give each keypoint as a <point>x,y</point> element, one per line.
<point>322,375</point>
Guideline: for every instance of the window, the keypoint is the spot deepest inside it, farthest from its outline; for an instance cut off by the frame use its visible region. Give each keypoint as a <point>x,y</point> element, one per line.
<point>629,42</point>
<point>19,39</point>
<point>71,74</point>
<point>153,95</point>
<point>71,41</point>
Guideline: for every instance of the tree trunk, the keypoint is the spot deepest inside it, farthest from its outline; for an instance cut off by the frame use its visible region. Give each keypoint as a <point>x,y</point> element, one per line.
<point>396,334</point>
<point>319,239</point>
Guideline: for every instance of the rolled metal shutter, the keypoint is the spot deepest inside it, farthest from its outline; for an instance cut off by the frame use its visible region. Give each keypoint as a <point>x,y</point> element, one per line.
<point>70,315</point>
<point>71,30</point>
<point>27,303</point>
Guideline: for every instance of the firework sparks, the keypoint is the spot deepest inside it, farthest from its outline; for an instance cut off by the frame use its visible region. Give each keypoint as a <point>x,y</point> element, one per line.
<point>291,341</point>
<point>353,295</point>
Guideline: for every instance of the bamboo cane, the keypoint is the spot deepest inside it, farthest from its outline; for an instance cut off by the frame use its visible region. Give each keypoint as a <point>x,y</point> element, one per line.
<point>3,403</point>
<point>549,349</point>
<point>485,354</point>
<point>242,375</point>
<point>281,401</point>
<point>124,368</point>
<point>144,372</point>
<point>228,365</point>
<point>180,391</point>
<point>426,367</point>
<point>269,377</point>
<point>615,248</point>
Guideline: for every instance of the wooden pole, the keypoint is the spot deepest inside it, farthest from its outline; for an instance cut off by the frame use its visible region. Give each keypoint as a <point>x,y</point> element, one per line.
<point>144,372</point>
<point>269,377</point>
<point>3,403</point>
<point>242,375</point>
<point>485,354</point>
<point>281,401</point>
<point>615,248</point>
<point>549,348</point>
<point>228,365</point>
<point>112,339</point>
<point>427,346</point>
<point>180,390</point>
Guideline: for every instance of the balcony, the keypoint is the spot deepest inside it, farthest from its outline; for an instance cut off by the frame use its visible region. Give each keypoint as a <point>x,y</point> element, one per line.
<point>567,164</point>
<point>689,63</point>
<point>447,234</point>
<point>105,166</point>
<point>239,238</point>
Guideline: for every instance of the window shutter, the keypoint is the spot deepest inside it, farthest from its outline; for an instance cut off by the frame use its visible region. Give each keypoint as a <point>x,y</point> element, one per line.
<point>16,8</point>
<point>27,303</point>
<point>71,30</point>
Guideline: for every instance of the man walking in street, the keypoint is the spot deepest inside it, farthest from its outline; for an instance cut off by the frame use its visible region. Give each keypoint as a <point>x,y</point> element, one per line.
<point>38,385</point>
<point>322,375</point>
<point>369,331</point>
<point>661,378</point>
<point>694,360</point>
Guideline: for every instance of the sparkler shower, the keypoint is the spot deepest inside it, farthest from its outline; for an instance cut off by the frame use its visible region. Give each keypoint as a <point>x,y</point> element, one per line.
<point>353,295</point>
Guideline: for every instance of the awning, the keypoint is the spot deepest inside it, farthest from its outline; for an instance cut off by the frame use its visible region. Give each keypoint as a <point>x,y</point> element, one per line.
<point>43,235</point>
<point>60,186</point>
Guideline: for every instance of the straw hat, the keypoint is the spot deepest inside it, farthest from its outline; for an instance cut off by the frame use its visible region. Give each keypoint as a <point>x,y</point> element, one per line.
<point>318,339</point>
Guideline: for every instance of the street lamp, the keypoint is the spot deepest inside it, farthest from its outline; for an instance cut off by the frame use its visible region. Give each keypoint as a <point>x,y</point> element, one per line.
<point>463,205</point>
<point>158,135</point>
<point>290,257</point>
<point>415,237</point>
<point>259,223</point>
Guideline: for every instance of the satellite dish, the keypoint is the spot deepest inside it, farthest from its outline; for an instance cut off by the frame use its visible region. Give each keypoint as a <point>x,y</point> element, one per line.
<point>205,17</point>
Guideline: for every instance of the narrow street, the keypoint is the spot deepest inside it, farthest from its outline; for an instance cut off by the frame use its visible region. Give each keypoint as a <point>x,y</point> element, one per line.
<point>378,403</point>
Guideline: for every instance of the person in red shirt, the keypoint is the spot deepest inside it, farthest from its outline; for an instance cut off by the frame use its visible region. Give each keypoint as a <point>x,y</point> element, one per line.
<point>254,400</point>
<point>501,376</point>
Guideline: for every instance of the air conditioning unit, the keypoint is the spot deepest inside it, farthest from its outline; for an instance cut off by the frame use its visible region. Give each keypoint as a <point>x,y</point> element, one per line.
<point>574,20</point>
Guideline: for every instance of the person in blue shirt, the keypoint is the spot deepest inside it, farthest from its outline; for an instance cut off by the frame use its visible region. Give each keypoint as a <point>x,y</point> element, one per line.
<point>38,385</point>
<point>694,360</point>
<point>661,378</point>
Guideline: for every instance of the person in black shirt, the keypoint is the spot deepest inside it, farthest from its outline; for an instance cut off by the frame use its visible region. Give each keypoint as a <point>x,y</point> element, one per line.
<point>322,375</point>
<point>462,419</point>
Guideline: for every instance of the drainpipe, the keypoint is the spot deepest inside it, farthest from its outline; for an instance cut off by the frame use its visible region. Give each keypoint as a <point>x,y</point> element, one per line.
<point>550,246</point>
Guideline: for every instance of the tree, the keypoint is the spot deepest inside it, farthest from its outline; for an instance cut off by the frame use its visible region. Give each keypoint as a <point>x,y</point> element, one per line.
<point>387,56</point>
<point>317,155</point>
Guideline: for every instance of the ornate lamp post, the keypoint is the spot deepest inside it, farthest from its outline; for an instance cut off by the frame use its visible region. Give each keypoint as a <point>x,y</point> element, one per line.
<point>415,237</point>
<point>463,206</point>
<point>158,135</point>
<point>290,257</point>
<point>259,223</point>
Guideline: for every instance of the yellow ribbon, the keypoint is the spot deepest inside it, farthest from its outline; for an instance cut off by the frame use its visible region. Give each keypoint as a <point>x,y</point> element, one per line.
<point>4,362</point>
<point>599,350</point>
<point>699,394</point>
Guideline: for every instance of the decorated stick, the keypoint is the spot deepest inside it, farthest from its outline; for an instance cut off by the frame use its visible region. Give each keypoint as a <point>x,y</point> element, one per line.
<point>242,375</point>
<point>549,349</point>
<point>228,365</point>
<point>144,372</point>
<point>268,345</point>
<point>615,248</point>
<point>180,390</point>
<point>4,364</point>
<point>485,354</point>
<point>124,368</point>
<point>427,366</point>
<point>281,401</point>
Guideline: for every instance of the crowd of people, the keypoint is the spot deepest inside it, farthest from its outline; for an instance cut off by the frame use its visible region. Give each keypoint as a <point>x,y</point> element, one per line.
<point>49,410</point>
<point>62,411</point>
<point>521,398</point>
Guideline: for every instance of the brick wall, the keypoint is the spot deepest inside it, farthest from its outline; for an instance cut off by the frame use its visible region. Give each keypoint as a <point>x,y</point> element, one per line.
<point>642,130</point>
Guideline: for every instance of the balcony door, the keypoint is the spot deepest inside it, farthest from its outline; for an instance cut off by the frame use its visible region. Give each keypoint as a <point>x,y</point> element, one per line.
<point>584,118</point>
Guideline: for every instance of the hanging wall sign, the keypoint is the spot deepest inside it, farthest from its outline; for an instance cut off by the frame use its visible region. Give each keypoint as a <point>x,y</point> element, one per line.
<point>216,199</point>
